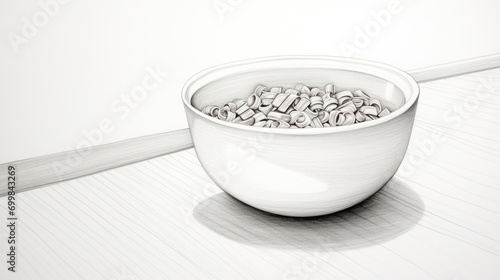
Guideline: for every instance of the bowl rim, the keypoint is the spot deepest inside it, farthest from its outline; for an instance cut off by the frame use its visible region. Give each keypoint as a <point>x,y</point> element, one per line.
<point>415,92</point>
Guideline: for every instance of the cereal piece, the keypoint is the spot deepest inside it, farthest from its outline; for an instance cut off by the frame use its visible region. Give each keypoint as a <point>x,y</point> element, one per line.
<point>259,116</point>
<point>323,116</point>
<point>360,117</point>
<point>259,124</point>
<point>231,105</point>
<point>266,109</point>
<point>303,95</point>
<point>287,103</point>
<point>336,118</point>
<point>211,110</point>
<point>329,103</point>
<point>239,120</point>
<point>275,89</point>
<point>360,93</point>
<point>268,95</point>
<point>243,108</point>
<point>290,109</point>
<point>279,116</point>
<point>254,101</point>
<point>349,118</point>
<point>370,117</point>
<point>368,110</point>
<point>347,107</point>
<point>267,98</point>
<point>317,92</point>
<point>267,101</point>
<point>239,102</point>
<point>316,103</point>
<point>343,96</point>
<point>292,91</point>
<point>316,122</point>
<point>312,114</point>
<point>375,103</point>
<point>303,89</point>
<point>259,90</point>
<point>384,113</point>
<point>247,114</point>
<point>301,104</point>
<point>280,98</point>
<point>272,123</point>
<point>283,125</point>
<point>303,122</point>
<point>330,90</point>
<point>300,119</point>
<point>250,121</point>
<point>358,101</point>
<point>226,115</point>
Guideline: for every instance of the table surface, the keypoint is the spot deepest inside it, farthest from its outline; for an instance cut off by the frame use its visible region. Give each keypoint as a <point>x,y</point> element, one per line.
<point>438,218</point>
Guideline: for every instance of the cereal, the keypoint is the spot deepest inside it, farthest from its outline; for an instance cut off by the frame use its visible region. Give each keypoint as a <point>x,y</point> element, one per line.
<point>323,116</point>
<point>287,103</point>
<point>375,103</point>
<point>266,109</point>
<point>302,104</point>
<point>311,113</point>
<point>254,101</point>
<point>316,103</point>
<point>317,92</point>
<point>384,113</point>
<point>336,118</point>
<point>279,99</point>
<point>226,115</point>
<point>300,119</point>
<point>368,110</point>
<point>329,102</point>
<point>330,89</point>
<point>279,116</point>
<point>359,116</point>
<point>316,122</point>
<point>300,107</point>
<point>211,110</point>
<point>259,90</point>
<point>260,116</point>
<point>347,107</point>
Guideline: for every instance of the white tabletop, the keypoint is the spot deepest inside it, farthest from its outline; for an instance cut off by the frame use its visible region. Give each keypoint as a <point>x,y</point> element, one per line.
<point>438,218</point>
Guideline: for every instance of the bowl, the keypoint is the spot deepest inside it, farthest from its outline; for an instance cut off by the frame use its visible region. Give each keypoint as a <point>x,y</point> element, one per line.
<point>301,172</point>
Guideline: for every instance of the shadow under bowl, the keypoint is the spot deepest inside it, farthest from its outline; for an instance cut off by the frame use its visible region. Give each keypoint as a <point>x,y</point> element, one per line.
<point>389,213</point>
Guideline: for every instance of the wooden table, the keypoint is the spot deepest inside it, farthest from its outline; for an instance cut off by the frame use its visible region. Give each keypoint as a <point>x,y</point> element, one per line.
<point>439,218</point>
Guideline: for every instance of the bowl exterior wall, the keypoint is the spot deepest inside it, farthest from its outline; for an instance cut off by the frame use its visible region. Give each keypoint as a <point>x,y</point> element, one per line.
<point>301,175</point>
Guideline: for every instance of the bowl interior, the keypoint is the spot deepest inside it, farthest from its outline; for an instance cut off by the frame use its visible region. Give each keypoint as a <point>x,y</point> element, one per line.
<point>241,84</point>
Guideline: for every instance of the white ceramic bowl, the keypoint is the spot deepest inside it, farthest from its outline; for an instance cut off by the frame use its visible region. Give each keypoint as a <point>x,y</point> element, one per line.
<point>301,172</point>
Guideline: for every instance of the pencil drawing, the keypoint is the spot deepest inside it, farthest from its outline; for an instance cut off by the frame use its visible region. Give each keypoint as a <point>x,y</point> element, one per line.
<point>250,140</point>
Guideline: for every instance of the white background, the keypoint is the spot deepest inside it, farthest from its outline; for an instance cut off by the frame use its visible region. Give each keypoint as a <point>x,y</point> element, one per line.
<point>63,81</point>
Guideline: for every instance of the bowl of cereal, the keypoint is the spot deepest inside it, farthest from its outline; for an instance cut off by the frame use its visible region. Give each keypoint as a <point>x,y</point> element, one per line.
<point>301,135</point>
